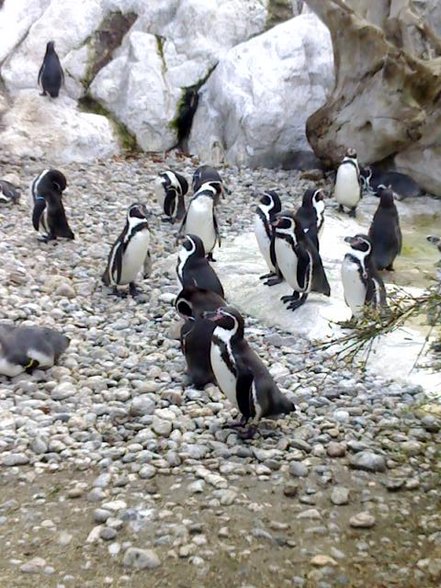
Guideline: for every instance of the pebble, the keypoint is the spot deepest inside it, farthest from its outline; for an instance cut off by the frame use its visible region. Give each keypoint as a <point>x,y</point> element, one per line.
<point>141,559</point>
<point>298,469</point>
<point>335,449</point>
<point>323,560</point>
<point>362,520</point>
<point>340,495</point>
<point>368,461</point>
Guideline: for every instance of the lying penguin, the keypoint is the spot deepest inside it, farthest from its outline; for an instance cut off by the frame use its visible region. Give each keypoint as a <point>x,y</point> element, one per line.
<point>24,348</point>
<point>240,373</point>
<point>8,193</point>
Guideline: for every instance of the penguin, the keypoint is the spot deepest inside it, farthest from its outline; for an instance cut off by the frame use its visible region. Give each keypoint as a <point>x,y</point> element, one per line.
<point>24,348</point>
<point>200,218</point>
<point>240,373</point>
<point>196,333</point>
<point>269,205</point>
<point>402,184</point>
<point>8,193</point>
<point>207,173</point>
<point>48,215</point>
<point>362,284</point>
<point>385,232</point>
<point>193,268</point>
<point>298,260</point>
<point>130,252</point>
<point>311,214</point>
<point>347,189</point>
<point>51,74</point>
<point>170,189</point>
<point>435,240</point>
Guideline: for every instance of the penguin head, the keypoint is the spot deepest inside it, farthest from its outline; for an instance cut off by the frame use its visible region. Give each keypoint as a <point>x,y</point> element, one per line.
<point>351,152</point>
<point>360,243</point>
<point>435,240</point>
<point>228,320</point>
<point>192,301</point>
<point>386,196</point>
<point>285,223</point>
<point>270,202</point>
<point>204,174</point>
<point>51,180</point>
<point>136,212</point>
<point>193,245</point>
<point>50,47</point>
<point>312,197</point>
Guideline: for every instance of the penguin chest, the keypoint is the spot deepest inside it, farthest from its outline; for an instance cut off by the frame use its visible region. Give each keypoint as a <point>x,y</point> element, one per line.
<point>200,222</point>
<point>10,369</point>
<point>134,256</point>
<point>262,232</point>
<point>347,186</point>
<point>353,286</point>
<point>287,262</point>
<point>222,364</point>
<point>159,190</point>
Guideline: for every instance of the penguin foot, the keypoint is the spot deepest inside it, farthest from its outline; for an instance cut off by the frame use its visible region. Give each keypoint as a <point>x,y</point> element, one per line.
<point>290,298</point>
<point>210,257</point>
<point>297,303</point>
<point>266,276</point>
<point>167,219</point>
<point>340,208</point>
<point>247,433</point>
<point>118,293</point>
<point>43,93</point>
<point>352,213</point>
<point>390,268</point>
<point>273,281</point>
<point>134,291</point>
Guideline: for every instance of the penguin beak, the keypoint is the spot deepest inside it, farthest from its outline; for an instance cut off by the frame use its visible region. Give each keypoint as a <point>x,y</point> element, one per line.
<point>213,315</point>
<point>350,240</point>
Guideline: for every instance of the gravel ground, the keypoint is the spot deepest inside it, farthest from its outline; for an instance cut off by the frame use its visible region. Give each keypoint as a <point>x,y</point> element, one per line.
<point>113,474</point>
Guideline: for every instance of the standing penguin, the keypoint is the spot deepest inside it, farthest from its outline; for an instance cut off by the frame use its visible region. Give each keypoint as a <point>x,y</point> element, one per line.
<point>200,218</point>
<point>269,206</point>
<point>48,214</point>
<point>170,189</point>
<point>311,214</point>
<point>298,260</point>
<point>207,173</point>
<point>196,332</point>
<point>130,252</point>
<point>347,189</point>
<point>193,268</point>
<point>23,348</point>
<point>362,284</point>
<point>51,74</point>
<point>240,373</point>
<point>385,232</point>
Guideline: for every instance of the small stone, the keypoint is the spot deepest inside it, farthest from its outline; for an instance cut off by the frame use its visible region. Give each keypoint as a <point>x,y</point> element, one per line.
<point>228,497</point>
<point>147,471</point>
<point>114,505</point>
<point>431,423</point>
<point>298,469</point>
<point>291,489</point>
<point>107,533</point>
<point>14,459</point>
<point>162,427</point>
<point>141,559</point>
<point>63,391</point>
<point>339,495</point>
<point>362,520</point>
<point>65,289</point>
<point>323,560</point>
<point>336,449</point>
<point>311,513</point>
<point>394,484</point>
<point>33,566</point>
<point>141,406</point>
<point>368,461</point>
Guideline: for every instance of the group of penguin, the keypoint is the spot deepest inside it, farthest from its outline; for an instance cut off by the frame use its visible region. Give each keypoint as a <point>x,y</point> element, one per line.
<point>212,334</point>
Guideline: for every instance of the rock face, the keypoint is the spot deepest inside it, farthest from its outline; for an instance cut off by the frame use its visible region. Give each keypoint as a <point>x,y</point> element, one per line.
<point>255,104</point>
<point>386,99</point>
<point>55,130</point>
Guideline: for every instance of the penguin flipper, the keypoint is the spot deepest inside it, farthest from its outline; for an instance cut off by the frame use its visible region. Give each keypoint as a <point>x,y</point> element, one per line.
<point>303,266</point>
<point>244,382</point>
<point>39,206</point>
<point>216,229</point>
<point>181,228</point>
<point>40,74</point>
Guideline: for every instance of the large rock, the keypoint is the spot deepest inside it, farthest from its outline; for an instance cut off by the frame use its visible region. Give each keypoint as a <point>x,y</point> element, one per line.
<point>255,104</point>
<point>386,97</point>
<point>55,130</point>
<point>165,53</point>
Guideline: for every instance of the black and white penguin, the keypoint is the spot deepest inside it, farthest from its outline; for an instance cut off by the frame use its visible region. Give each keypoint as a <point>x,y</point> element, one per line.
<point>8,193</point>
<point>51,74</point>
<point>194,269</point>
<point>196,332</point>
<point>200,219</point>
<point>311,214</point>
<point>207,174</point>
<point>435,240</point>
<point>269,205</point>
<point>402,184</point>
<point>170,189</point>
<point>240,373</point>
<point>385,232</point>
<point>48,214</point>
<point>362,284</point>
<point>130,252</point>
<point>298,260</point>
<point>24,348</point>
<point>347,189</point>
